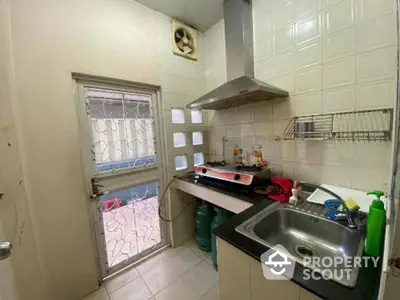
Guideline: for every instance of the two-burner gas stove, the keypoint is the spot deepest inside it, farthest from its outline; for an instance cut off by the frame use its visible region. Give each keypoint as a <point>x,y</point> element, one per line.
<point>241,174</point>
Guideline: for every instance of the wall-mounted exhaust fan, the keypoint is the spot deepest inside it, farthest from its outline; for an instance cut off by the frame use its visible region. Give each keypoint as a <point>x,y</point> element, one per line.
<point>184,40</point>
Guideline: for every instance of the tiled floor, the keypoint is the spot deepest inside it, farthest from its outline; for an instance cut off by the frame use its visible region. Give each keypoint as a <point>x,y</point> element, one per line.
<point>182,273</point>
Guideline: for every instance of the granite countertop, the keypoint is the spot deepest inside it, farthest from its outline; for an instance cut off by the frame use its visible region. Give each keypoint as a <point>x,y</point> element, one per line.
<point>368,280</point>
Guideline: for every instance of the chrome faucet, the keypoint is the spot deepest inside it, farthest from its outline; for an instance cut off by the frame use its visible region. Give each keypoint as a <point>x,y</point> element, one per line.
<point>351,224</point>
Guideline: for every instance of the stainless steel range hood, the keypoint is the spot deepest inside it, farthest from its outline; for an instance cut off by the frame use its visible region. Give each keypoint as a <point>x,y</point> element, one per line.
<point>242,87</point>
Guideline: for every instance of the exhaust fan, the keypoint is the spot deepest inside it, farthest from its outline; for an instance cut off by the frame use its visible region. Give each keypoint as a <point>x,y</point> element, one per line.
<point>184,40</point>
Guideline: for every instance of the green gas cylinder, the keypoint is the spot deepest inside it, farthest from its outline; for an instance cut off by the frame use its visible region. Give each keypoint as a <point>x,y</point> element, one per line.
<point>221,216</point>
<point>203,216</point>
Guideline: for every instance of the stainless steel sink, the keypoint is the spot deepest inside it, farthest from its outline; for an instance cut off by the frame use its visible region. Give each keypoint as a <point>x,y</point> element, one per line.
<point>306,232</point>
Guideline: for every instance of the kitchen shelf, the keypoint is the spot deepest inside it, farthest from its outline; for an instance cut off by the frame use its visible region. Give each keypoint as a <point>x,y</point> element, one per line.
<point>366,125</point>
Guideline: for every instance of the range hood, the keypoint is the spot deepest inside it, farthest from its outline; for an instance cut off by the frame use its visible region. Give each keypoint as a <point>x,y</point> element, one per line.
<point>241,88</point>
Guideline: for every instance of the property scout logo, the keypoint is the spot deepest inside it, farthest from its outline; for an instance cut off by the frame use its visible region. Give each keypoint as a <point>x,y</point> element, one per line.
<point>279,264</point>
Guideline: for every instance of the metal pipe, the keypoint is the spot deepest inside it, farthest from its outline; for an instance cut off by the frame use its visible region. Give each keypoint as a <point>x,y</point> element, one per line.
<point>346,210</point>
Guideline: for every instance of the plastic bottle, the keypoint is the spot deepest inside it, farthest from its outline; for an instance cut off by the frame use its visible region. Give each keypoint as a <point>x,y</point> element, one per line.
<point>294,198</point>
<point>375,225</point>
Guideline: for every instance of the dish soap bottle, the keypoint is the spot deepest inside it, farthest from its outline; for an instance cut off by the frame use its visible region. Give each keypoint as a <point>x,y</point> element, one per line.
<point>375,225</point>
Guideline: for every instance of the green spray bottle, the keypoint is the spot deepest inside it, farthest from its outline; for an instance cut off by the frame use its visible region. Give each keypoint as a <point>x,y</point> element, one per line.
<point>375,225</point>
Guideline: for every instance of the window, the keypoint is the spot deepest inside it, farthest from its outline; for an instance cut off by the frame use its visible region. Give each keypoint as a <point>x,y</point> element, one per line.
<point>178,116</point>
<point>198,158</point>
<point>180,162</point>
<point>122,128</point>
<point>179,139</point>
<point>197,138</point>
<point>197,116</point>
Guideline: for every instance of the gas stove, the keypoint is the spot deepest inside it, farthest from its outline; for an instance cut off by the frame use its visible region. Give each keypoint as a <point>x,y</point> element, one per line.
<point>240,174</point>
<point>216,163</point>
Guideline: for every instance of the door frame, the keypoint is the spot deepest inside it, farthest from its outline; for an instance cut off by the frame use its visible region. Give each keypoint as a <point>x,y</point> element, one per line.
<point>80,80</point>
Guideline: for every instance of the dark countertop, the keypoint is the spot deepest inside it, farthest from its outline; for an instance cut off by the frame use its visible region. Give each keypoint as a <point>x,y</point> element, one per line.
<point>368,280</point>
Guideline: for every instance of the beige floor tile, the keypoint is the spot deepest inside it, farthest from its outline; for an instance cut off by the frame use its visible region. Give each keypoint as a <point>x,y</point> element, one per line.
<point>121,279</point>
<point>201,278</point>
<point>183,261</point>
<point>212,294</point>
<point>191,244</point>
<point>160,277</point>
<point>169,251</point>
<point>134,290</point>
<point>150,263</point>
<point>177,291</point>
<point>208,260</point>
<point>100,294</point>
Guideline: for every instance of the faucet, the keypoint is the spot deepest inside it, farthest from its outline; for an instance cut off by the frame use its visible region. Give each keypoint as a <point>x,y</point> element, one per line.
<point>351,224</point>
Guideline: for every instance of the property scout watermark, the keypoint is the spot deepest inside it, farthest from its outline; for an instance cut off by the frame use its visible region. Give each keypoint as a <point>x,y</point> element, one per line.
<point>278,264</point>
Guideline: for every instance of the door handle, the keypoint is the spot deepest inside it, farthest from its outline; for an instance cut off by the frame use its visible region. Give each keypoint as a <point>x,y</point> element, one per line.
<point>96,189</point>
<point>5,250</point>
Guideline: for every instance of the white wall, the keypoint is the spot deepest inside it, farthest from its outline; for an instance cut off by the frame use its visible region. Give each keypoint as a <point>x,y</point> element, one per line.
<point>122,39</point>
<point>50,39</point>
<point>8,289</point>
<point>20,275</point>
<point>331,56</point>
<point>182,82</point>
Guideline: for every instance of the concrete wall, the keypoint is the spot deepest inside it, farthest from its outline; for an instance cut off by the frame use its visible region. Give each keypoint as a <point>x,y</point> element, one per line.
<point>331,56</point>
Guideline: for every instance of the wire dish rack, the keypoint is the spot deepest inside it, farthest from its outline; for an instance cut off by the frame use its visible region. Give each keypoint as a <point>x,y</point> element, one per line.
<point>367,125</point>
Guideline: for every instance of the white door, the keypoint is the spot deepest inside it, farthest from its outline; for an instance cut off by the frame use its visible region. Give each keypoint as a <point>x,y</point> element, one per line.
<point>122,157</point>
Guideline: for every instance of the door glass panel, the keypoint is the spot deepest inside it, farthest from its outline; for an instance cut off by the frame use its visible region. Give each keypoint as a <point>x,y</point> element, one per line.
<point>131,222</point>
<point>123,136</point>
<point>122,129</point>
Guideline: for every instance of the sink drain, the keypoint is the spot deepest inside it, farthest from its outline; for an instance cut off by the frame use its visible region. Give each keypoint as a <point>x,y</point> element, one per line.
<point>304,251</point>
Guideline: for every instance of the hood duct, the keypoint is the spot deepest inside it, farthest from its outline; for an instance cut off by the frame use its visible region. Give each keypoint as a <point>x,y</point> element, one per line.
<point>241,87</point>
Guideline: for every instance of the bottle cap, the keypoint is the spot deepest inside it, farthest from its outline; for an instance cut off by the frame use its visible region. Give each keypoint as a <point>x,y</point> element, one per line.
<point>377,193</point>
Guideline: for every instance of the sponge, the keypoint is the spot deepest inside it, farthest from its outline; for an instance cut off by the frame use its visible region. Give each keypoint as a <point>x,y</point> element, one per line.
<point>351,204</point>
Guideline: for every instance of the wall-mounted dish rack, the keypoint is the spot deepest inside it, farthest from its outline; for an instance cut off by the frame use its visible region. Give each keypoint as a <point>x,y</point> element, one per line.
<point>367,125</point>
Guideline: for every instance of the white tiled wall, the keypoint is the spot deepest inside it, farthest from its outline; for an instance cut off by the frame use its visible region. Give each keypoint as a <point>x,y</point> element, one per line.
<point>182,81</point>
<point>215,56</point>
<point>332,56</point>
